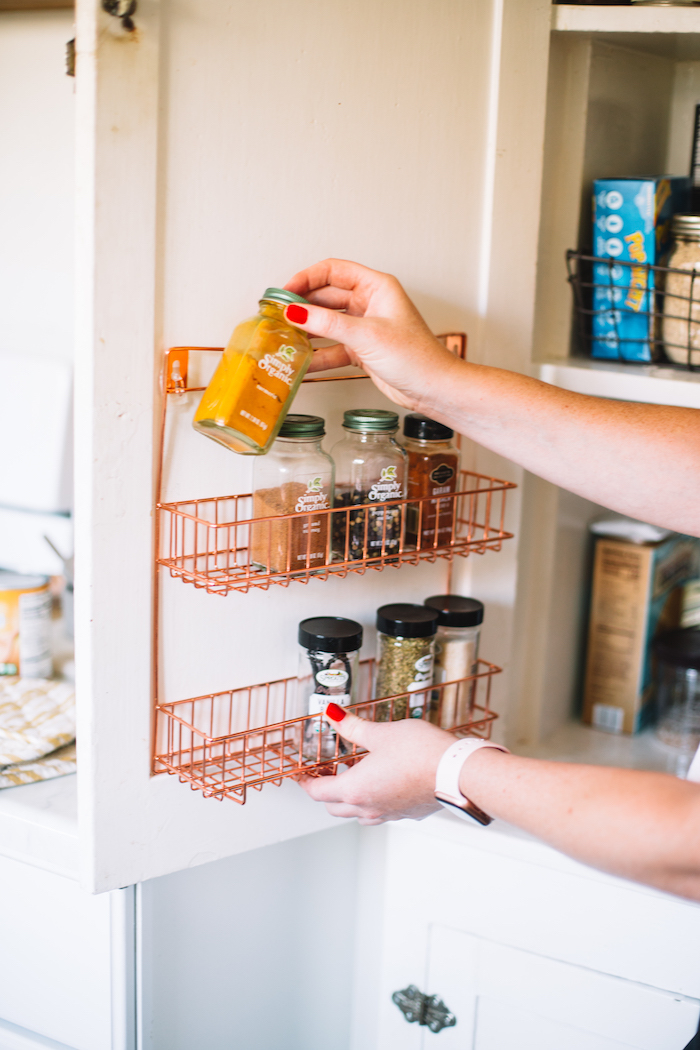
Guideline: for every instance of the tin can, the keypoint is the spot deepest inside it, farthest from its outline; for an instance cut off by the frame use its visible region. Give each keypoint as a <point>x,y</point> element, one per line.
<point>25,620</point>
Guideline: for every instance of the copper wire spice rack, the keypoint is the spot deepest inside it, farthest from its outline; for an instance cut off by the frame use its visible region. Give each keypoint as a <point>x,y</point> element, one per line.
<point>211,543</point>
<point>224,743</point>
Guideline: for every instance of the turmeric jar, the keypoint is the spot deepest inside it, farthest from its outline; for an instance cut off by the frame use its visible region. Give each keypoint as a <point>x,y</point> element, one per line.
<point>258,376</point>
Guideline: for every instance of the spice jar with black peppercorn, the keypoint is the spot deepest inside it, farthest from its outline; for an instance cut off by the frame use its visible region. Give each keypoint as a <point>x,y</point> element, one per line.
<point>370,469</point>
<point>456,654</point>
<point>295,477</point>
<point>433,470</point>
<point>405,651</point>
<point>329,663</point>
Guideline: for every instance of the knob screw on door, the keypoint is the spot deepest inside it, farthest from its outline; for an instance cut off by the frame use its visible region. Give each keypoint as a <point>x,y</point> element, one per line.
<point>427,1010</point>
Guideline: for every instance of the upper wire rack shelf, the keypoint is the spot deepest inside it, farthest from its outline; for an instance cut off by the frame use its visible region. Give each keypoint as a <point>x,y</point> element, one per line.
<point>224,743</point>
<point>636,312</point>
<point>221,545</point>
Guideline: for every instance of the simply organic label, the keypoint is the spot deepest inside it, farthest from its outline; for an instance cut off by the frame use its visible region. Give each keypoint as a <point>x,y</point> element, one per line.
<point>332,678</point>
<point>315,497</point>
<point>318,702</point>
<point>388,487</point>
<point>280,364</point>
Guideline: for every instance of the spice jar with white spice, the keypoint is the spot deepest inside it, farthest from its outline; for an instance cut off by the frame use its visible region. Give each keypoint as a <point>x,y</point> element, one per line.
<point>456,654</point>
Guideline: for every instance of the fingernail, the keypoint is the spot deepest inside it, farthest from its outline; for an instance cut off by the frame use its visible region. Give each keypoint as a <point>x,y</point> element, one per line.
<point>297,313</point>
<point>333,711</point>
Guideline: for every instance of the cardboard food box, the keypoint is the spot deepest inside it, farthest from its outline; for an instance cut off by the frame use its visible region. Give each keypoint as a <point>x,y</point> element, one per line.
<point>637,590</point>
<point>631,225</point>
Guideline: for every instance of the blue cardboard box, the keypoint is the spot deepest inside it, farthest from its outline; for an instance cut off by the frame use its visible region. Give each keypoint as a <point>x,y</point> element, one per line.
<point>632,228</point>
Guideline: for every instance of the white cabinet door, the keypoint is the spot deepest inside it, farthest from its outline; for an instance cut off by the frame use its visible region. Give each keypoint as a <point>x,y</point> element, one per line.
<point>504,997</point>
<point>222,147</point>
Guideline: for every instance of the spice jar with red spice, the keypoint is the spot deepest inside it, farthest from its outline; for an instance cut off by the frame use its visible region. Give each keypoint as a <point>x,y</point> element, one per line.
<point>433,470</point>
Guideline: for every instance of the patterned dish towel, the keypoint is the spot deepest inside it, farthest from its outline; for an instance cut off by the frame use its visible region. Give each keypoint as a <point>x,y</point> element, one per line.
<point>37,722</point>
<point>57,764</point>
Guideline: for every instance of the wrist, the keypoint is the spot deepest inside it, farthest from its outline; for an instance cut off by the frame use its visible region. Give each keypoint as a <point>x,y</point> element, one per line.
<point>449,789</point>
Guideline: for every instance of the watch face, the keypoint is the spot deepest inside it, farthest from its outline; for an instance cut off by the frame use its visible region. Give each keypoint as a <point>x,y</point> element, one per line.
<point>467,811</point>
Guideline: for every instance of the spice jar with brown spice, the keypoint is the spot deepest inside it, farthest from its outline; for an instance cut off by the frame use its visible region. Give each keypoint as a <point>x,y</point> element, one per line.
<point>295,477</point>
<point>433,470</point>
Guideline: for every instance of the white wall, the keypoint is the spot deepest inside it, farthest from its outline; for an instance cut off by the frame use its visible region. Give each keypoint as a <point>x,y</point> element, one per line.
<point>36,185</point>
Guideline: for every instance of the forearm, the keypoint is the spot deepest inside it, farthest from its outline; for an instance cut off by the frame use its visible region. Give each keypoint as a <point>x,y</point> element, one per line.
<point>642,460</point>
<point>642,826</point>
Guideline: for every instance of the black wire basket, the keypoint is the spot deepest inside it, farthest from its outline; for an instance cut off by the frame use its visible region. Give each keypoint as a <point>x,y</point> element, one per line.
<point>635,312</point>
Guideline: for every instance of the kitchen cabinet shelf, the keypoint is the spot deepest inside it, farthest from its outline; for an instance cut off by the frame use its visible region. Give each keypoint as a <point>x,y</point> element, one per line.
<point>653,384</point>
<point>584,18</point>
<point>225,743</point>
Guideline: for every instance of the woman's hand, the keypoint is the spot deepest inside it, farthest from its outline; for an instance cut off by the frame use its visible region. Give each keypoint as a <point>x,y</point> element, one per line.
<point>380,329</point>
<point>395,780</point>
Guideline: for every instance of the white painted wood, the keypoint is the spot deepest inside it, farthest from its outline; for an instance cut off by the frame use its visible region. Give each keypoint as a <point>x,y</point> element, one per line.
<point>253,952</point>
<point>602,19</point>
<point>55,967</point>
<point>122,941</point>
<point>175,248</point>
<point>36,188</point>
<point>472,913</point>
<point>502,996</point>
<point>653,384</point>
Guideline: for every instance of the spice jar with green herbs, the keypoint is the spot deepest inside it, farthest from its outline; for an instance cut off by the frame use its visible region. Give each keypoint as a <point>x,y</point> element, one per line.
<point>329,663</point>
<point>405,653</point>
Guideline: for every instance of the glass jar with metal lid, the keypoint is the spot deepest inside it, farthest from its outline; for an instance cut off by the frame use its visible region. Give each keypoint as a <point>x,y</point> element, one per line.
<point>256,380</point>
<point>433,470</point>
<point>370,468</point>
<point>681,321</point>
<point>456,654</point>
<point>329,664</point>
<point>295,477</point>
<point>405,652</point>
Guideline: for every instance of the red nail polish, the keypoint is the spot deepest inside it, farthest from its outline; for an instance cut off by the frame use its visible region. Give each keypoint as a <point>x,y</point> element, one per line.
<point>297,313</point>
<point>335,712</point>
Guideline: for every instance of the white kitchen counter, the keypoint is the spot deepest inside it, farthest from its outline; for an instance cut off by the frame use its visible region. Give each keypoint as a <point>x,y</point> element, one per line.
<point>39,825</point>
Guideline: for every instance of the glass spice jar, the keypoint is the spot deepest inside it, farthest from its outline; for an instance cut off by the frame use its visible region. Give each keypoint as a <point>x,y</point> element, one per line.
<point>295,477</point>
<point>456,654</point>
<point>681,321</point>
<point>370,468</point>
<point>329,663</point>
<point>405,651</point>
<point>433,470</point>
<point>257,378</point>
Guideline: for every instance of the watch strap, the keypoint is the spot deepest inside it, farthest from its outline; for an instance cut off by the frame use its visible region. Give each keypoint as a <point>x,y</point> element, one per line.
<point>447,790</point>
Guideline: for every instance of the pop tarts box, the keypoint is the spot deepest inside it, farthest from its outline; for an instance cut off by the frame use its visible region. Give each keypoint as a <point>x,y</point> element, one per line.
<point>631,224</point>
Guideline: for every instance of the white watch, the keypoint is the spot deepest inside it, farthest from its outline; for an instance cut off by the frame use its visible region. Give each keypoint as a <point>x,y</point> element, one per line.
<point>447,790</point>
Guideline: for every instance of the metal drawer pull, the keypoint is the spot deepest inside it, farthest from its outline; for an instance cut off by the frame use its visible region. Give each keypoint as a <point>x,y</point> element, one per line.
<point>428,1010</point>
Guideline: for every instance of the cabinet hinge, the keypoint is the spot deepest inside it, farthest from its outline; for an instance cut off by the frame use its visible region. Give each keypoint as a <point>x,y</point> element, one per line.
<point>428,1010</point>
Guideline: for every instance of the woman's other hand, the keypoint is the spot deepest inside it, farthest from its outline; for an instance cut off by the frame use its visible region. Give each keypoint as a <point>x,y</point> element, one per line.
<point>395,780</point>
<point>379,329</point>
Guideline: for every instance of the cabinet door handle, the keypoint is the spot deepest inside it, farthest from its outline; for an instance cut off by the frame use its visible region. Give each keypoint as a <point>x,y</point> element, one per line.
<point>428,1010</point>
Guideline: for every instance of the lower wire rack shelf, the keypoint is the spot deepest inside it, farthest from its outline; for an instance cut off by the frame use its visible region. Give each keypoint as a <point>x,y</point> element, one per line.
<point>216,544</point>
<point>224,743</point>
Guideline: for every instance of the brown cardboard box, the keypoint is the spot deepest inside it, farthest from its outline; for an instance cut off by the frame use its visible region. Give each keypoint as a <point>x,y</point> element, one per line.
<point>636,594</point>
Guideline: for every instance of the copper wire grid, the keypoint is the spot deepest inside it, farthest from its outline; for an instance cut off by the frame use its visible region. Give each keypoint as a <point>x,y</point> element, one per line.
<point>224,743</point>
<point>207,542</point>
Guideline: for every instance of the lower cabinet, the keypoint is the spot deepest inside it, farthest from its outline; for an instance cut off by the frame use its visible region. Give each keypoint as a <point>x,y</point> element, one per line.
<point>526,948</point>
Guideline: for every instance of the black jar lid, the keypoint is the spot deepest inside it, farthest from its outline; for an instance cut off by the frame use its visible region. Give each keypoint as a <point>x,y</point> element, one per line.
<point>407,621</point>
<point>281,295</point>
<point>298,426</point>
<point>455,611</point>
<point>679,648</point>
<point>330,634</point>
<point>417,426</point>
<point>374,420</point>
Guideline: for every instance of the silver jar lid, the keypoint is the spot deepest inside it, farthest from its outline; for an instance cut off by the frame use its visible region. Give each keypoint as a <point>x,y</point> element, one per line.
<point>686,226</point>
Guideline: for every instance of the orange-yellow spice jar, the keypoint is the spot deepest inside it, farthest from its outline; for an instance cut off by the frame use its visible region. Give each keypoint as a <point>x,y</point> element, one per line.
<point>257,378</point>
